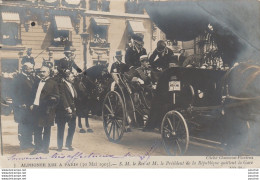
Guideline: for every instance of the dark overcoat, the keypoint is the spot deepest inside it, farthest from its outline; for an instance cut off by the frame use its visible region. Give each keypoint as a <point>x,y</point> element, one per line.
<point>49,98</point>
<point>23,94</point>
<point>132,57</point>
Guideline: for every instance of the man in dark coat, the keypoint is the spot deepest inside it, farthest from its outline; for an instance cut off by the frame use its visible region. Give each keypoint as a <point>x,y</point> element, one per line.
<point>46,98</point>
<point>135,51</point>
<point>22,100</point>
<point>69,57</point>
<point>28,57</point>
<point>66,110</point>
<point>162,56</point>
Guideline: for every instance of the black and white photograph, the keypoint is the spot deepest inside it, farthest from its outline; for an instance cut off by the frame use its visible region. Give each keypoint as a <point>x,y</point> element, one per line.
<point>130,83</point>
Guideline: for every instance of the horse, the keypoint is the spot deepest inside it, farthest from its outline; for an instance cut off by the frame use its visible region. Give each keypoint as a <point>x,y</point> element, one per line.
<point>241,92</point>
<point>91,86</point>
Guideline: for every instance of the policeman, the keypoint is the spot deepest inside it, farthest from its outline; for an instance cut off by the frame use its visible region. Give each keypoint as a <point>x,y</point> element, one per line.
<point>161,56</point>
<point>135,51</point>
<point>28,57</point>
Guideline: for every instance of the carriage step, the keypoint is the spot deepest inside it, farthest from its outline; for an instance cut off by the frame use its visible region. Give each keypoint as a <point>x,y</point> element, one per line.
<point>205,140</point>
<point>206,145</point>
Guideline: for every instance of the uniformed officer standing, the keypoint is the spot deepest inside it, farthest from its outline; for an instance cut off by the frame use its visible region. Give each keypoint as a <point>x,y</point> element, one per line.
<point>161,57</point>
<point>28,57</point>
<point>135,51</point>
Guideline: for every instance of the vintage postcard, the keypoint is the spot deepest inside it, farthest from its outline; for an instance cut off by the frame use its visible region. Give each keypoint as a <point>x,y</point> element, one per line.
<point>130,84</point>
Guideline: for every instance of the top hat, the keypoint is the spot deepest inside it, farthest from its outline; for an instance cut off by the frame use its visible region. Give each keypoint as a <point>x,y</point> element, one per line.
<point>29,50</point>
<point>139,38</point>
<point>67,49</point>
<point>119,53</point>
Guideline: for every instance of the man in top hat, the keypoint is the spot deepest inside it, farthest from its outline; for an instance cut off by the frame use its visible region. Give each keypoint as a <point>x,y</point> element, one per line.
<point>133,53</point>
<point>44,107</point>
<point>119,66</point>
<point>69,56</point>
<point>28,57</point>
<point>161,57</point>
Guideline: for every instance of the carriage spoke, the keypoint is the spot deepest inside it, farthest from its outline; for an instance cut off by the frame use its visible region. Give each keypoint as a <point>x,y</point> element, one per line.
<point>109,121</point>
<point>117,131</point>
<point>179,147</point>
<point>168,130</point>
<point>169,121</point>
<point>110,103</point>
<point>114,133</point>
<point>178,125</point>
<point>110,128</point>
<point>109,109</point>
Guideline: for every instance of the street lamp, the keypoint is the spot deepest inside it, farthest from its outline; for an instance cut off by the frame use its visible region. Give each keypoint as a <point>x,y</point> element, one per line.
<point>84,37</point>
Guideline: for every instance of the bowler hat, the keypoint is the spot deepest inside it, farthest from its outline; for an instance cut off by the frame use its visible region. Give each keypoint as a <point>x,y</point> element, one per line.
<point>67,49</point>
<point>119,53</point>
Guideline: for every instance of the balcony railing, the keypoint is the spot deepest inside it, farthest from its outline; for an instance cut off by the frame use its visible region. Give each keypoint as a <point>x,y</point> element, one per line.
<point>100,45</point>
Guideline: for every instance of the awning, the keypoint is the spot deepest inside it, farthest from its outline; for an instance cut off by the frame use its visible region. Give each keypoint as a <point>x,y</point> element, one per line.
<point>10,17</point>
<point>101,21</point>
<point>73,2</point>
<point>136,26</point>
<point>63,23</point>
<point>50,1</point>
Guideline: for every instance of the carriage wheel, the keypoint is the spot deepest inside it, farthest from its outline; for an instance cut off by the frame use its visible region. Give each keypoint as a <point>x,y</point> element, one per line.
<point>113,114</point>
<point>175,133</point>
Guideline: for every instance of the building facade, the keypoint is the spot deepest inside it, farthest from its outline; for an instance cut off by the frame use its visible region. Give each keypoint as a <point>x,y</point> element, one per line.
<point>94,29</point>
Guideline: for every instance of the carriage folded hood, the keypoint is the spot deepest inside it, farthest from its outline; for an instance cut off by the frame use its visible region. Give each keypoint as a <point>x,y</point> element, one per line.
<point>235,21</point>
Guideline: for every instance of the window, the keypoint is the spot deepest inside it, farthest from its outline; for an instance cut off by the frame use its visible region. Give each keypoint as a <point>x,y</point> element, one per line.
<point>134,7</point>
<point>63,31</point>
<point>99,5</point>
<point>9,65</point>
<point>10,29</point>
<point>100,32</point>
<point>62,38</point>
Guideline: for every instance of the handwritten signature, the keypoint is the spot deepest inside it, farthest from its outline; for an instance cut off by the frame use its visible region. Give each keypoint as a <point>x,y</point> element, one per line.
<point>71,158</point>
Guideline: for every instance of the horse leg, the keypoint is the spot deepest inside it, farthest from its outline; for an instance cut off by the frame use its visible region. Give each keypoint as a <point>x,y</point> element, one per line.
<point>87,124</point>
<point>79,122</point>
<point>80,125</point>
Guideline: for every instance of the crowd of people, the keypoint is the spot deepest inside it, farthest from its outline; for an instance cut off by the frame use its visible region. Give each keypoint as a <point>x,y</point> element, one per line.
<point>42,99</point>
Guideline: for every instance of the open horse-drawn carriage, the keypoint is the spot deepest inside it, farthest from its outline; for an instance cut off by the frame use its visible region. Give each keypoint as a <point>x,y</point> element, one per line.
<point>212,107</point>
